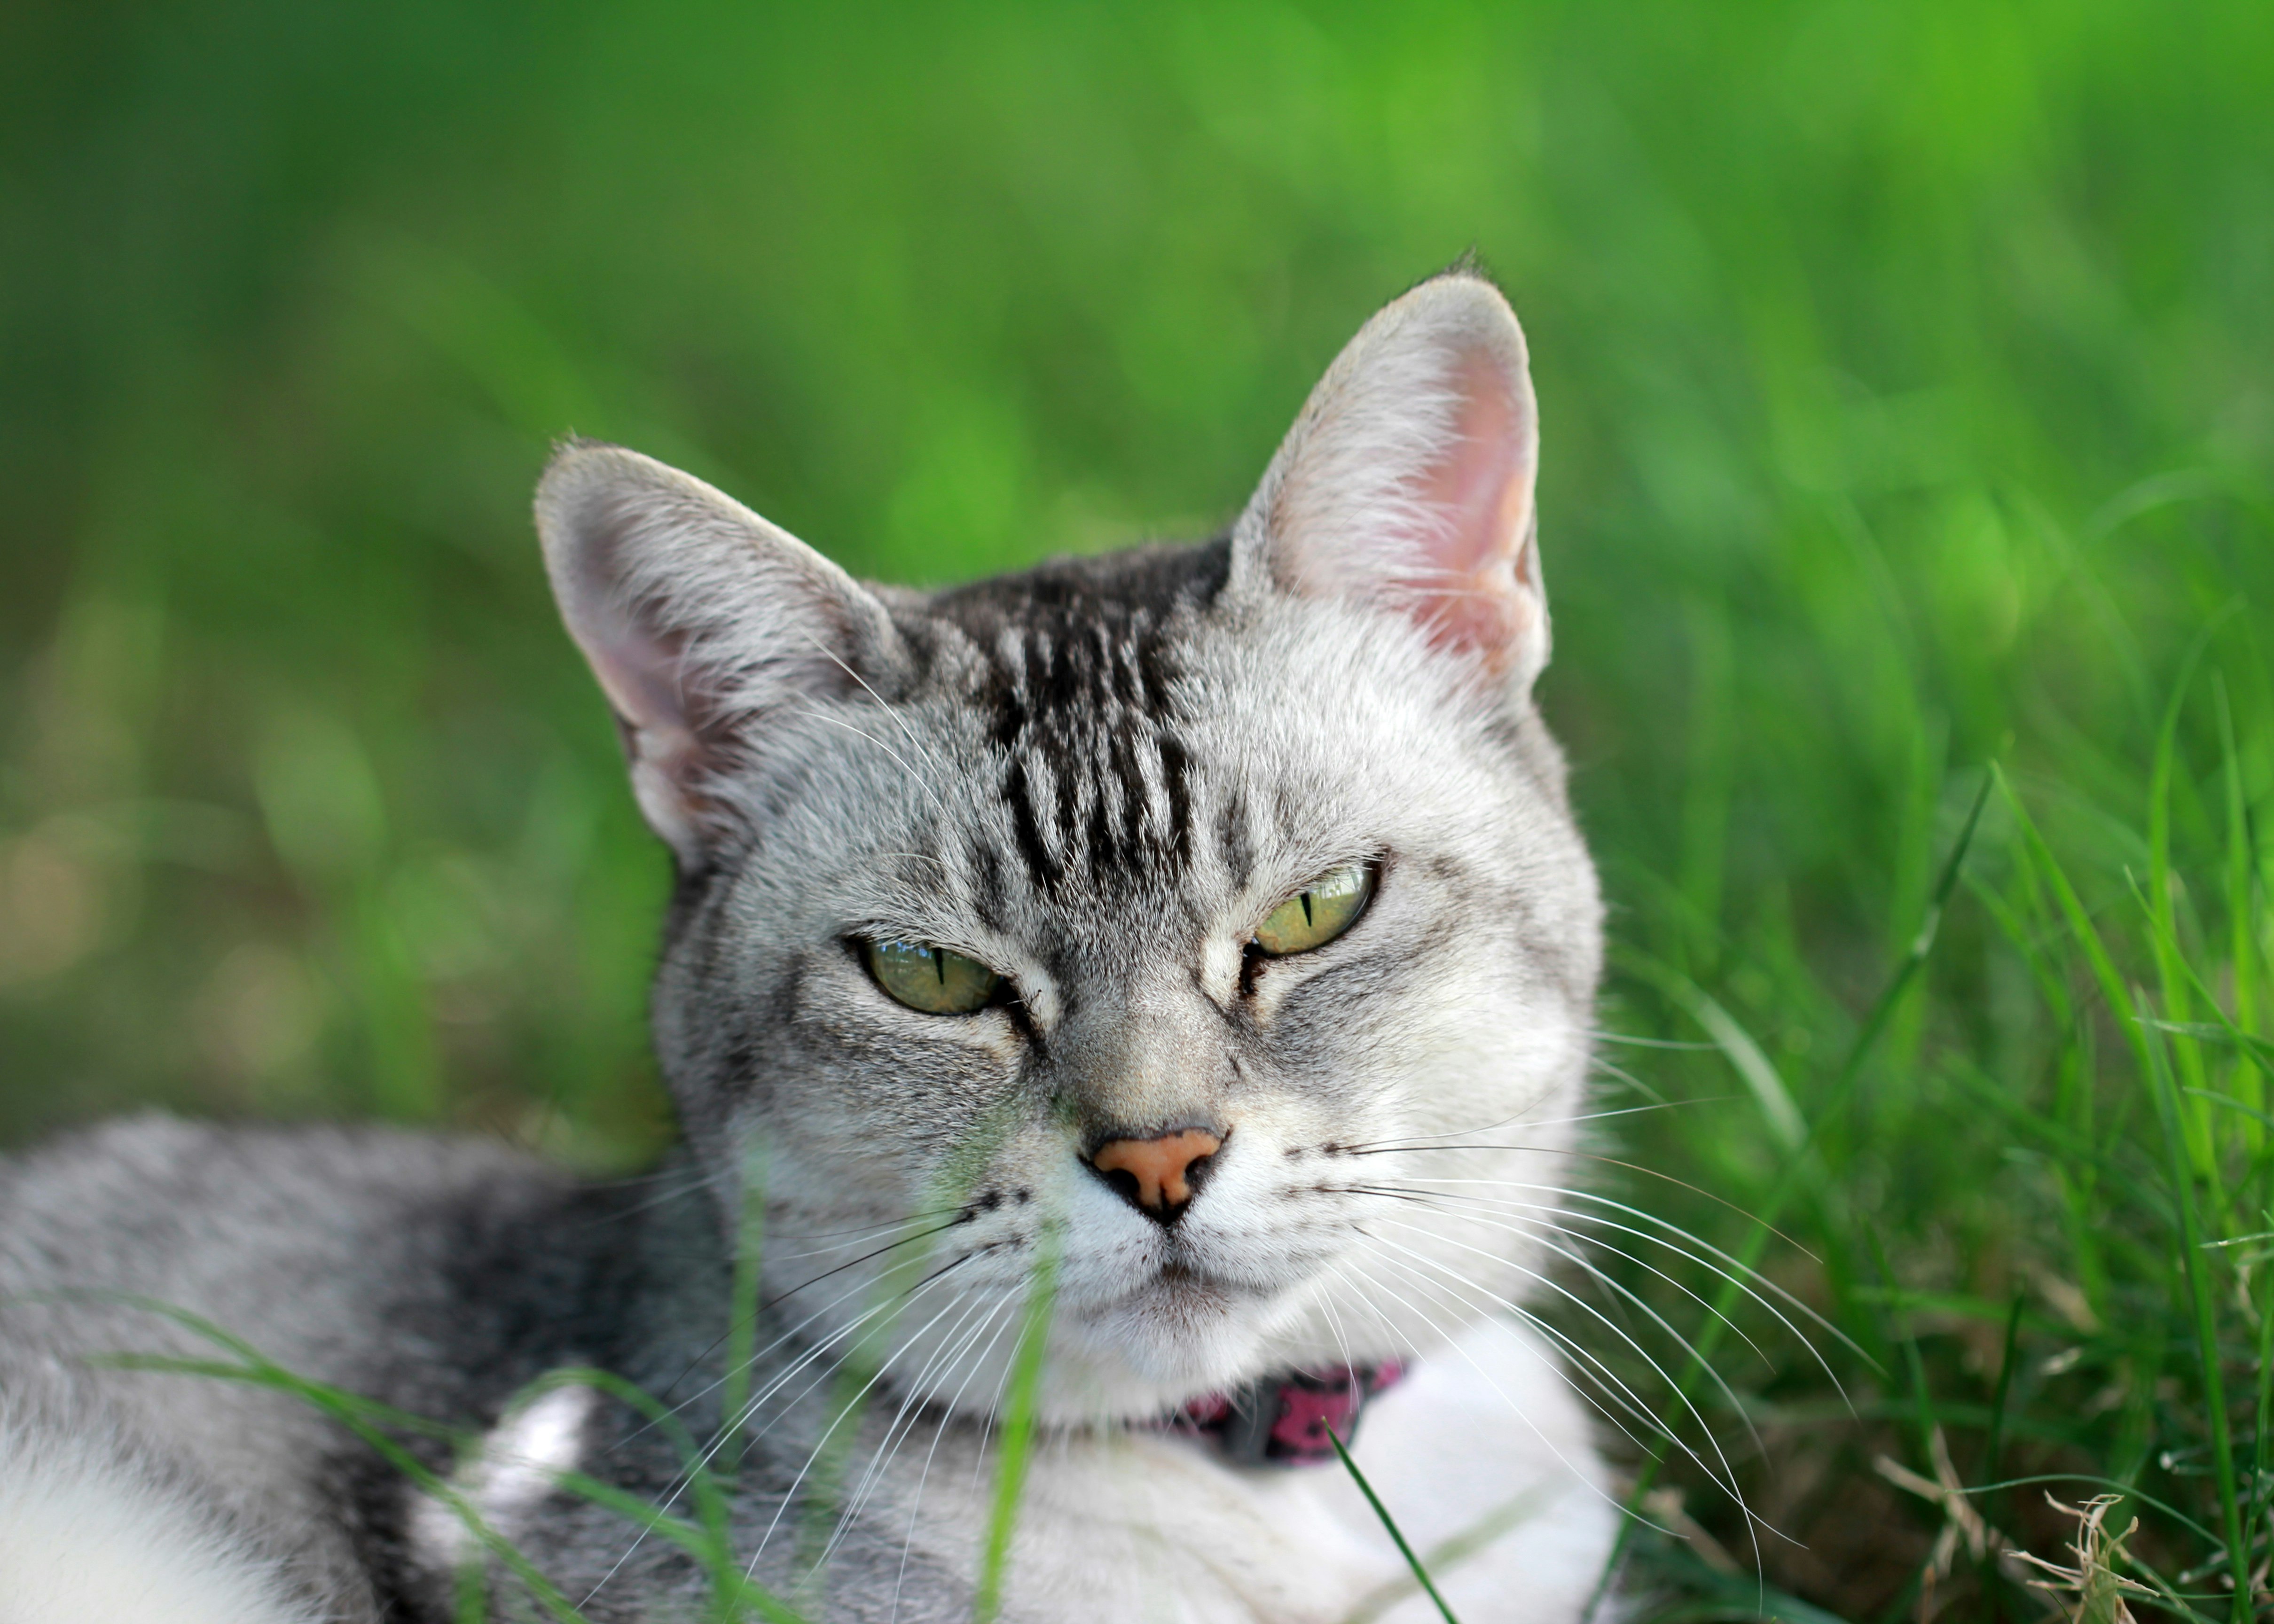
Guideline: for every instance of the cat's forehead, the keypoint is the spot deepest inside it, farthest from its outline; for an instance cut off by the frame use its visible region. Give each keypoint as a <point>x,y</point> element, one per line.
<point>1070,684</point>
<point>1121,729</point>
<point>1076,637</point>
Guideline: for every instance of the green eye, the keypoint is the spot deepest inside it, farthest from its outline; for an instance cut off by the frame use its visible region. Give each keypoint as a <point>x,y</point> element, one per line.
<point>1319,912</point>
<point>930,979</point>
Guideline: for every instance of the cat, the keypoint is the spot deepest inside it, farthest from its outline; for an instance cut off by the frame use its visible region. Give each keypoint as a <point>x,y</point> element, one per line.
<point>1178,963</point>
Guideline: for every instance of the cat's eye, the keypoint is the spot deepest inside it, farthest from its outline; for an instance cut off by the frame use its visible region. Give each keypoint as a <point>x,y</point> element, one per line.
<point>930,979</point>
<point>1319,912</point>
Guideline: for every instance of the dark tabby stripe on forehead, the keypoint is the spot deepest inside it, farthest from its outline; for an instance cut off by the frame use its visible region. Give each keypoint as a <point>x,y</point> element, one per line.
<point>1235,839</point>
<point>1041,868</point>
<point>1080,675</point>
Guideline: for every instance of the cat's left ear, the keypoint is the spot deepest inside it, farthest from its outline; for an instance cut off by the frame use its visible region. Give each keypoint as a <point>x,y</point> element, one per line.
<point>714,634</point>
<point>1408,481</point>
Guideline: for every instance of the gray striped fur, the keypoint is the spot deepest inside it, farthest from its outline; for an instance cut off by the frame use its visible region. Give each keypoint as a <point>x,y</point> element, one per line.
<point>1096,776</point>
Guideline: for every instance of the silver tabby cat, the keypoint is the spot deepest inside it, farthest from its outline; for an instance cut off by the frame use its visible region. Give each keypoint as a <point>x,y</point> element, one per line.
<point>1196,940</point>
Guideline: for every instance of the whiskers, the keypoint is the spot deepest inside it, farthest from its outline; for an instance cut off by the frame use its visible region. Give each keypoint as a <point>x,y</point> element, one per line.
<point>878,1357</point>
<point>1593,1277</point>
<point>1608,1160</point>
<point>812,1352</point>
<point>1470,1138</point>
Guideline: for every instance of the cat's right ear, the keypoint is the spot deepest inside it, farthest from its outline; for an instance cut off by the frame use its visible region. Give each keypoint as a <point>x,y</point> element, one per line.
<point>706,626</point>
<point>1407,482</point>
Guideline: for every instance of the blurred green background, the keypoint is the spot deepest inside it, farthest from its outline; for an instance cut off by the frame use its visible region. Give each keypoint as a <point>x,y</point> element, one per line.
<point>1907,374</point>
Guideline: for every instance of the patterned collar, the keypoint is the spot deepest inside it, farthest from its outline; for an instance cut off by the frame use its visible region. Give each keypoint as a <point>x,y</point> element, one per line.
<point>1284,1420</point>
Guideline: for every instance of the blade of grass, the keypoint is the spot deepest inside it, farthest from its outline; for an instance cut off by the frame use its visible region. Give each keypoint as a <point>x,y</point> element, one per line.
<point>2163,891</point>
<point>1389,1524</point>
<point>1997,1438</point>
<point>2219,1032</point>
<point>473,1597</point>
<point>1707,793</point>
<point>357,1415</point>
<point>2075,1109</point>
<point>2076,1173</point>
<point>1913,961</point>
<point>2195,1270</point>
<point>2079,918</point>
<point>1922,1398</point>
<point>1783,1116</point>
<point>1867,1036</point>
<point>1017,1447</point>
<point>713,1544</point>
<point>371,1421</point>
<point>2265,1414</point>
<point>1993,1445</point>
<point>1452,1551</point>
<point>2248,1081</point>
<point>2137,1430</point>
<point>2097,1481</point>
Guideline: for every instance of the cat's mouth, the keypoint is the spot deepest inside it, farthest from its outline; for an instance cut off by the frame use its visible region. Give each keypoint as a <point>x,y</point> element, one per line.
<point>1171,1314</point>
<point>1180,1281</point>
<point>1178,1327</point>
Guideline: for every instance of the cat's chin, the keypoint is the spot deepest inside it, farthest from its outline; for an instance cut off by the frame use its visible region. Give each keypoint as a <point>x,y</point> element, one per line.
<point>1175,1337</point>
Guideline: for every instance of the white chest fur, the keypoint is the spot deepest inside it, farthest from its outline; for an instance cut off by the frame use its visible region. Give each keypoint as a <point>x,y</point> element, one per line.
<point>1483,1455</point>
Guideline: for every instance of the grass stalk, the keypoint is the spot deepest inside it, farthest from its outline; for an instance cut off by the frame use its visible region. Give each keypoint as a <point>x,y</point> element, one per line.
<point>1389,1524</point>
<point>1994,1443</point>
<point>2163,898</point>
<point>2262,1413</point>
<point>2194,1272</point>
<point>1016,1449</point>
<point>1708,1340</point>
<point>378,1425</point>
<point>2240,868</point>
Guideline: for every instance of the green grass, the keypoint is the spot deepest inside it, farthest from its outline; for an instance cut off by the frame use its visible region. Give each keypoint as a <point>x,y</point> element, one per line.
<point>735,1598</point>
<point>1906,376</point>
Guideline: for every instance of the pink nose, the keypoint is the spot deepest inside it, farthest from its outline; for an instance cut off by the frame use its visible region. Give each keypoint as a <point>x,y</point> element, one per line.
<point>1155,1175</point>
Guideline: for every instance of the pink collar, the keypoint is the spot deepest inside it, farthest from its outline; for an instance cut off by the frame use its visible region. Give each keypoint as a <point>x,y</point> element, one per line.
<point>1286,1420</point>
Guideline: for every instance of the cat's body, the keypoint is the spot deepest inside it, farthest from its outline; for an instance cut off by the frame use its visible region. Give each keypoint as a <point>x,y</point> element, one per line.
<point>1093,793</point>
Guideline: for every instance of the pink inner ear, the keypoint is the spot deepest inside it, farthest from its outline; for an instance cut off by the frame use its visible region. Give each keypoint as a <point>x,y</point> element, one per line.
<point>646,687</point>
<point>1474,568</point>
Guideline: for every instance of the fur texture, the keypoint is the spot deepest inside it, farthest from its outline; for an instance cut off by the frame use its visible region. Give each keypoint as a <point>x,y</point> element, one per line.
<point>1096,779</point>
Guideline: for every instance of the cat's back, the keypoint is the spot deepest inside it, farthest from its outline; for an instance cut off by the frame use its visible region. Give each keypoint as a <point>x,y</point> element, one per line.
<point>348,1257</point>
<point>154,1193</point>
<point>293,1238</point>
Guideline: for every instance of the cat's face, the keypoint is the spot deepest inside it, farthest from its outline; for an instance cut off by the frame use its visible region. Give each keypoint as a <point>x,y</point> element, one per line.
<point>1207,928</point>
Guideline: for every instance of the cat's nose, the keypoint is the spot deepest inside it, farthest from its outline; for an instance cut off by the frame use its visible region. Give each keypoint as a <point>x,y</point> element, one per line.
<point>1155,1175</point>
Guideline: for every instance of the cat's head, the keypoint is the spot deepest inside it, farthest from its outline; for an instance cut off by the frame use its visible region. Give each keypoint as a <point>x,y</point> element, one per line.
<point>1209,922</point>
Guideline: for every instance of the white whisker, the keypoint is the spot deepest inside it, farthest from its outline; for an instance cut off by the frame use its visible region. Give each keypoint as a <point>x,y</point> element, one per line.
<point>1593,1370</point>
<point>1728,1478</point>
<point>889,709</point>
<point>686,1479</point>
<point>1514,1408</point>
<point>1709,1251</point>
<point>950,1346</point>
<point>1649,1312</point>
<point>1508,1224</point>
<point>851,1407</point>
<point>920,781</point>
<point>946,1418</point>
